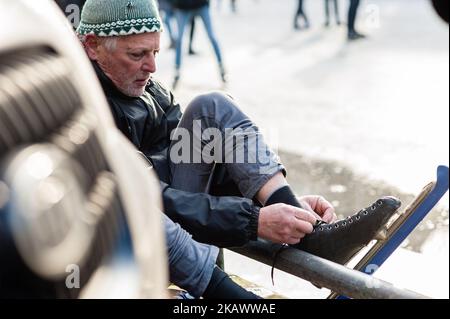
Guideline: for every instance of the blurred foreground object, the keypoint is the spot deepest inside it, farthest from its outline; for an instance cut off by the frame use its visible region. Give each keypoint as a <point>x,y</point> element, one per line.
<point>77,216</point>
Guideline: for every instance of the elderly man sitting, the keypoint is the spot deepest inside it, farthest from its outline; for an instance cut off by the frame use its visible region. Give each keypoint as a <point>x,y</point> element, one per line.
<point>213,148</point>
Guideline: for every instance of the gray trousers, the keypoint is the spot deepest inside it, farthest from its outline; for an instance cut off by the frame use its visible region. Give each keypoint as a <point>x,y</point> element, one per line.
<point>220,133</point>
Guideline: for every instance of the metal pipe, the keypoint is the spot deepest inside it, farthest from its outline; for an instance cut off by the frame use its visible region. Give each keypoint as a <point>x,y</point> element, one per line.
<point>324,273</point>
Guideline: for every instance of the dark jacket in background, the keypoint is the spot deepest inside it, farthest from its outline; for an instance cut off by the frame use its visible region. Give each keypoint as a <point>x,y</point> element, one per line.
<point>64,3</point>
<point>189,4</point>
<point>69,12</point>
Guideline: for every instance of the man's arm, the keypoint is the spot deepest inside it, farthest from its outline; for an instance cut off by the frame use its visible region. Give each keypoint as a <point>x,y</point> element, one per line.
<point>222,221</point>
<point>228,221</point>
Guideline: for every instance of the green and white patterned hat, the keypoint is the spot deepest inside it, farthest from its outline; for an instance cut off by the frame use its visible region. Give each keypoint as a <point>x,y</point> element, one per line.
<point>107,18</point>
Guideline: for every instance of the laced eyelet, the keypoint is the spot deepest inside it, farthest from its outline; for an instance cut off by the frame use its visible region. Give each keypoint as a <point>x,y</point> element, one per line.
<point>321,229</point>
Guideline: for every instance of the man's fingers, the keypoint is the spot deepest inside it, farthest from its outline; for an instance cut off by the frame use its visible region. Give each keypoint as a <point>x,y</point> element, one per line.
<point>306,206</point>
<point>324,206</point>
<point>303,227</point>
<point>318,204</point>
<point>329,216</point>
<point>305,215</point>
<point>293,240</point>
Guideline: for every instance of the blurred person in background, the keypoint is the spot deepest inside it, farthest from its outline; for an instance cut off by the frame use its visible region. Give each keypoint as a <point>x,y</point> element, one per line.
<point>168,15</point>
<point>352,14</point>
<point>167,10</point>
<point>191,50</point>
<point>186,10</point>
<point>301,14</point>
<point>327,12</point>
<point>232,5</point>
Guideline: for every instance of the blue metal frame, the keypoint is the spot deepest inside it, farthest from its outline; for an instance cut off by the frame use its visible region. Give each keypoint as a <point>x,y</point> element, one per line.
<point>392,243</point>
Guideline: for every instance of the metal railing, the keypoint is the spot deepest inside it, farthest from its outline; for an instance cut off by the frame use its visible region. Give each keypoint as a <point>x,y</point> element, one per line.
<point>324,273</point>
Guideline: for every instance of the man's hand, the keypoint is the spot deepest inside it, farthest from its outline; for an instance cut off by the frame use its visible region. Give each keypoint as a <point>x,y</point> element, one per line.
<point>285,224</point>
<point>320,206</point>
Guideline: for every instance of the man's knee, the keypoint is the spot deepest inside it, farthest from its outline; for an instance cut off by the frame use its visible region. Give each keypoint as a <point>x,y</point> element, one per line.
<point>210,104</point>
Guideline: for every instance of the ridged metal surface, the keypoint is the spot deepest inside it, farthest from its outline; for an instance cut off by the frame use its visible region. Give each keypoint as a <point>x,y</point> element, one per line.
<point>39,104</point>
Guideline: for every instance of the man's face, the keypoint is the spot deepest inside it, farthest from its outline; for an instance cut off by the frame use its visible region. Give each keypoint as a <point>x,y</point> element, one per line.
<point>130,64</point>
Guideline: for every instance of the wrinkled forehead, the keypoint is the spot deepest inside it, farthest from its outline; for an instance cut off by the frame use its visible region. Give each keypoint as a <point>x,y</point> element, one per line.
<point>147,41</point>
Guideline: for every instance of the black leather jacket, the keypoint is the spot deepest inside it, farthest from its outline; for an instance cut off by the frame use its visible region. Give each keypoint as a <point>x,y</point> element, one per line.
<point>147,121</point>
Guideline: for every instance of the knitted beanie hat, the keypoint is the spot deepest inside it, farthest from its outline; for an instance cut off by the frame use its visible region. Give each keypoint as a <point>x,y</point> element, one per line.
<point>106,18</point>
